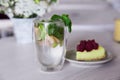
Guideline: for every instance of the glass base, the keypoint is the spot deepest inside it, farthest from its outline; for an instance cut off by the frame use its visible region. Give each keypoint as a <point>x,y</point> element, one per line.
<point>51,69</point>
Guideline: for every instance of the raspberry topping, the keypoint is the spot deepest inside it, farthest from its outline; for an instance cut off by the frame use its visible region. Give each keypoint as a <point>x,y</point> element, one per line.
<point>87,45</point>
<point>80,48</point>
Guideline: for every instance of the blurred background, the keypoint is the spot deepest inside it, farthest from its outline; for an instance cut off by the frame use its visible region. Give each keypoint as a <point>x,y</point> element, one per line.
<point>82,12</point>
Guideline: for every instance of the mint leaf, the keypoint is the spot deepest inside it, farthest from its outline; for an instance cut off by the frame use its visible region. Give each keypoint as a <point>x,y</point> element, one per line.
<point>42,31</point>
<point>54,30</point>
<point>67,21</point>
<point>65,18</point>
<point>56,17</point>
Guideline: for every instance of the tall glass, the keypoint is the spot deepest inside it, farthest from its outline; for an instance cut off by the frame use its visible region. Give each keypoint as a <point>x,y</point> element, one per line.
<point>50,40</point>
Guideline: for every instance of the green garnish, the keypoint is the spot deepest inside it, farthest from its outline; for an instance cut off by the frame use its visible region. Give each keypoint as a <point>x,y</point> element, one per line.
<point>54,30</point>
<point>42,31</point>
<point>54,45</point>
<point>37,1</point>
<point>65,18</point>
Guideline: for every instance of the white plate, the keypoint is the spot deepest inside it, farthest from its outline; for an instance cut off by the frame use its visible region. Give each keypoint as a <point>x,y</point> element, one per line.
<point>70,57</point>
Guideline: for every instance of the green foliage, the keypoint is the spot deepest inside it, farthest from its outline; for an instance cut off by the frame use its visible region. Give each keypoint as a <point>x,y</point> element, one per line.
<point>67,21</point>
<point>11,4</point>
<point>2,12</point>
<point>54,30</point>
<point>18,16</point>
<point>52,1</point>
<point>33,15</point>
<point>65,18</point>
<point>22,16</point>
<point>42,31</point>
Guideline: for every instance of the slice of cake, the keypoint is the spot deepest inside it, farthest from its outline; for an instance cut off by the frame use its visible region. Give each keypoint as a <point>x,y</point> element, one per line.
<point>89,51</point>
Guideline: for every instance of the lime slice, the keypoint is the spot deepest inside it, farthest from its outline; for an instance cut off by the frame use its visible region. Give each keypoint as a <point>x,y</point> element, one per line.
<point>37,1</point>
<point>54,45</point>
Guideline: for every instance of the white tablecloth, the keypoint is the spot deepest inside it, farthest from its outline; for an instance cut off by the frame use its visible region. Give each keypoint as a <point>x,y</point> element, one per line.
<point>19,62</point>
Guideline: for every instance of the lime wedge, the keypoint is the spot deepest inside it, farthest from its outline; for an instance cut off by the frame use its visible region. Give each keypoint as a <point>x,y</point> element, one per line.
<point>37,1</point>
<point>54,45</point>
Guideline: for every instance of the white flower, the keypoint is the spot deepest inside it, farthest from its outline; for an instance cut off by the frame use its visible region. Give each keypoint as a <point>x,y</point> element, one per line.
<point>10,13</point>
<point>40,12</point>
<point>43,4</point>
<point>25,7</point>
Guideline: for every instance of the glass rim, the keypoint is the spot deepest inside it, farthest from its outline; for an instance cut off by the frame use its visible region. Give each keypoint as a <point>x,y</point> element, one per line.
<point>46,20</point>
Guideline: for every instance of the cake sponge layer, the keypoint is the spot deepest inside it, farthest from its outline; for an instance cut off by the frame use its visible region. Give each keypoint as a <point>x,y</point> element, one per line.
<point>91,55</point>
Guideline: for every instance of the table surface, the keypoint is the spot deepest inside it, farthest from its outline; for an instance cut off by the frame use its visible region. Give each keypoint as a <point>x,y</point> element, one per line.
<point>19,61</point>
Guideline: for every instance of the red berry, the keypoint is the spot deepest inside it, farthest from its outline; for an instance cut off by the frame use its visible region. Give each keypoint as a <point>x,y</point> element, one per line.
<point>93,41</point>
<point>95,45</point>
<point>83,42</point>
<point>89,46</point>
<point>80,48</point>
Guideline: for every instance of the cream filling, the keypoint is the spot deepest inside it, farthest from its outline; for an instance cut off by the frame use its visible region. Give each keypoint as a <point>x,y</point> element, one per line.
<point>92,55</point>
